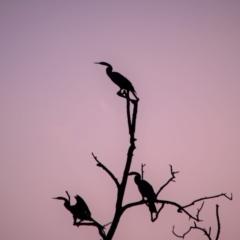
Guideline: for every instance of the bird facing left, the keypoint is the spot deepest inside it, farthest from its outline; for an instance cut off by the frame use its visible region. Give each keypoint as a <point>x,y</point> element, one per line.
<point>119,80</point>
<point>79,211</point>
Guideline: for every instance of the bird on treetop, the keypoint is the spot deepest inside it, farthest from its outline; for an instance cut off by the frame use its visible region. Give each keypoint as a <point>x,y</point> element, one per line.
<point>146,191</point>
<point>119,80</point>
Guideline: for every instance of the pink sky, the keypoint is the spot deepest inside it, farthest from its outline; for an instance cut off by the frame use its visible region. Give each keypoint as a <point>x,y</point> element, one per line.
<point>57,107</point>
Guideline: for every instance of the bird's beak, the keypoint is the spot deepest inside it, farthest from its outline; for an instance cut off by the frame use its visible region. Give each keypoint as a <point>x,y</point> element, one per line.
<point>96,62</point>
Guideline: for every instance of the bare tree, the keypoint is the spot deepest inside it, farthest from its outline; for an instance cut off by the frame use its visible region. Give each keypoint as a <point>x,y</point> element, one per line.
<point>85,217</point>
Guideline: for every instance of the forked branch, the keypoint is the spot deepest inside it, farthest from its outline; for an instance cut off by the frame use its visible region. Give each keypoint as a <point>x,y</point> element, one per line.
<point>207,233</point>
<point>177,205</point>
<point>210,197</point>
<point>94,224</point>
<point>169,180</point>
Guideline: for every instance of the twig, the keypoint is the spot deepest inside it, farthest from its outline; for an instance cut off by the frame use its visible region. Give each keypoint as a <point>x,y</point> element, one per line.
<point>192,227</point>
<point>100,228</point>
<point>218,222</point>
<point>99,164</point>
<point>170,180</point>
<point>199,210</point>
<point>107,224</point>
<point>142,166</point>
<point>208,234</point>
<point>69,198</point>
<point>128,112</point>
<point>204,198</point>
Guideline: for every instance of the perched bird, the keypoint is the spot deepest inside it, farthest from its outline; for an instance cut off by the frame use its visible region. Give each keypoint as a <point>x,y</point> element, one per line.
<point>119,80</point>
<point>79,211</point>
<point>82,205</point>
<point>146,191</point>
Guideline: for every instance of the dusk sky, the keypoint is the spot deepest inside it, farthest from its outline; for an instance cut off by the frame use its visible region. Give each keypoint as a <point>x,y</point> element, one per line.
<point>57,107</point>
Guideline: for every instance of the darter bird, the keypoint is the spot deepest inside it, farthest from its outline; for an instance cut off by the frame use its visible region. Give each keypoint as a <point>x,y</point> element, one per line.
<point>146,191</point>
<point>119,80</point>
<point>79,211</point>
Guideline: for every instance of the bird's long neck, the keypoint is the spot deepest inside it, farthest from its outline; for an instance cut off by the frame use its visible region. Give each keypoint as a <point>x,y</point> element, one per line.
<point>137,179</point>
<point>109,70</point>
<point>67,205</point>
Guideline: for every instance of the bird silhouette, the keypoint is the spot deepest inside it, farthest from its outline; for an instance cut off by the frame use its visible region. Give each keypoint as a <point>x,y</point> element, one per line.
<point>79,211</point>
<point>119,80</point>
<point>146,191</point>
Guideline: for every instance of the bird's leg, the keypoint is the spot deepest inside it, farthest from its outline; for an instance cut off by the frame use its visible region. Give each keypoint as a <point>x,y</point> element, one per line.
<point>143,198</point>
<point>74,220</point>
<point>119,93</point>
<point>77,223</point>
<point>122,93</point>
<point>125,93</point>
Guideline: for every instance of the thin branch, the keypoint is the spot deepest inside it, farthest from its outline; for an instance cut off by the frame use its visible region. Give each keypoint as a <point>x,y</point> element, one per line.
<point>107,224</point>
<point>99,164</point>
<point>128,114</point>
<point>192,227</point>
<point>100,228</point>
<point>180,208</point>
<point>169,180</point>
<point>218,222</point>
<point>204,198</point>
<point>199,210</point>
<point>134,117</point>
<point>208,234</point>
<point>142,166</point>
<point>69,198</point>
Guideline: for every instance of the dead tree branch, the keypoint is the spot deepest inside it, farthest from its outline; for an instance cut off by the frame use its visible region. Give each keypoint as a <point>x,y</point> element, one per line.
<point>94,224</point>
<point>207,233</point>
<point>218,222</point>
<point>204,198</point>
<point>122,186</point>
<point>179,207</point>
<point>142,166</point>
<point>192,227</point>
<point>169,180</point>
<point>99,164</point>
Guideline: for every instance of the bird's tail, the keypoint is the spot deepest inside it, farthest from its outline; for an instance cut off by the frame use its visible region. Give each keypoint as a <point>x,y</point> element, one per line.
<point>152,207</point>
<point>134,93</point>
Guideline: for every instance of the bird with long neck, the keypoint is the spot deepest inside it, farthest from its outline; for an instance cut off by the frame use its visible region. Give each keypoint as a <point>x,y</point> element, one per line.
<point>146,191</point>
<point>119,80</point>
<point>79,211</point>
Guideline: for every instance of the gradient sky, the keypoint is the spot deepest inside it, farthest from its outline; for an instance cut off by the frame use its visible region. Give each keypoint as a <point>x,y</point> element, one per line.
<point>57,107</point>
